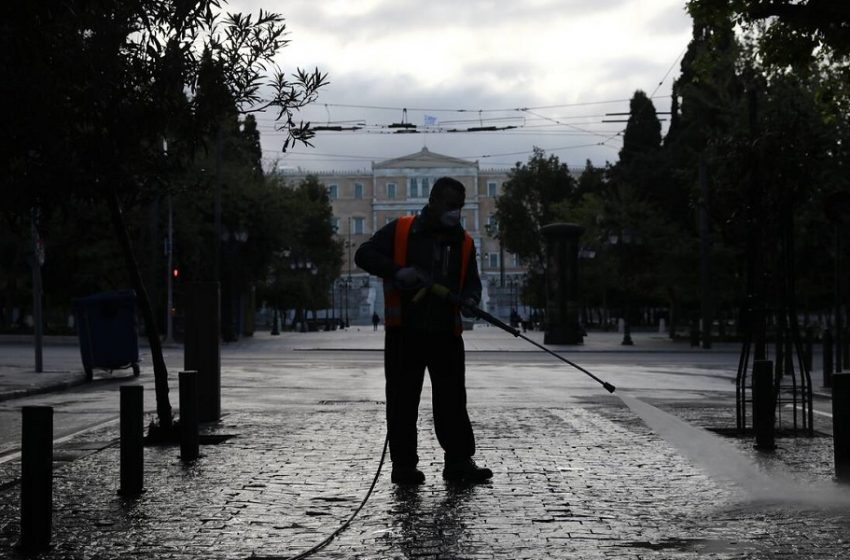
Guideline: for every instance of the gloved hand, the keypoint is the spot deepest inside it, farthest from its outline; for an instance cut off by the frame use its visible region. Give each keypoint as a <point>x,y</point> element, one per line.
<point>409,278</point>
<point>468,306</point>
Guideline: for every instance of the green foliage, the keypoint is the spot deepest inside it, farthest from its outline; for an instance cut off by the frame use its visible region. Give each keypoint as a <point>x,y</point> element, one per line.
<point>305,215</point>
<point>643,131</point>
<point>108,80</point>
<point>533,196</point>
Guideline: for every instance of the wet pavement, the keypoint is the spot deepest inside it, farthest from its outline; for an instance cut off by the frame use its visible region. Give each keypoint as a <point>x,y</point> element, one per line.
<point>578,473</point>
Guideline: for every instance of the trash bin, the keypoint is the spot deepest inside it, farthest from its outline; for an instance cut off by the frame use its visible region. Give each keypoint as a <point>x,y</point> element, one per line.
<point>106,327</point>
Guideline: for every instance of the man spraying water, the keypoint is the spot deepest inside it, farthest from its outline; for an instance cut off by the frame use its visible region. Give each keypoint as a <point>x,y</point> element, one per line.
<point>425,331</point>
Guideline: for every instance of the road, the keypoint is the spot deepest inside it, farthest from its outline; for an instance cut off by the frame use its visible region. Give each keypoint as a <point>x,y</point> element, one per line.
<point>263,374</point>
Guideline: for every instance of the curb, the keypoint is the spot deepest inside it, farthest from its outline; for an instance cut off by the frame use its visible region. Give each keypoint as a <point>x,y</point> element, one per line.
<point>41,390</point>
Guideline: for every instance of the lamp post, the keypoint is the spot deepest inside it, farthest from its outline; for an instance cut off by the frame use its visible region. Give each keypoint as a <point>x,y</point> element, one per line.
<point>349,246</point>
<point>494,232</point>
<point>622,240</point>
<point>306,265</point>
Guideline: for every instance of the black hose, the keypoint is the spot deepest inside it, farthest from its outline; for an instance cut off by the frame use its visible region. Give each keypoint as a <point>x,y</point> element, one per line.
<point>342,527</point>
<point>444,293</point>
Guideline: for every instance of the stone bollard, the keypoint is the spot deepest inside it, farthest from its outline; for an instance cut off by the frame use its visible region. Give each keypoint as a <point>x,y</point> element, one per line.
<point>764,405</point>
<point>36,477</point>
<point>827,358</point>
<point>132,440</point>
<point>202,352</point>
<point>841,425</point>
<point>189,439</point>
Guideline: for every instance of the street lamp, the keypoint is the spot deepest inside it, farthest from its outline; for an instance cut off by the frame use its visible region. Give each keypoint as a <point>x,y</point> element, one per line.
<point>349,244</point>
<point>623,240</point>
<point>494,232</point>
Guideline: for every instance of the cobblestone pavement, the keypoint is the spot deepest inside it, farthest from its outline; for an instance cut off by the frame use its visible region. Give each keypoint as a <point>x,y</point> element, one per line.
<point>586,479</point>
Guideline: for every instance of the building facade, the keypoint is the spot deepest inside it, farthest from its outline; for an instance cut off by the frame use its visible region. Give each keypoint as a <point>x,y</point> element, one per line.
<point>365,201</point>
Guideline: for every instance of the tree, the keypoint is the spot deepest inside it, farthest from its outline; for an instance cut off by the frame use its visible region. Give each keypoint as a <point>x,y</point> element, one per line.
<point>529,201</point>
<point>301,273</point>
<point>108,80</point>
<point>643,131</point>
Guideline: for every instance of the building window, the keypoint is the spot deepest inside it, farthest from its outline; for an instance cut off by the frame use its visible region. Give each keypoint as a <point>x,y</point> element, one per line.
<point>425,186</point>
<point>333,192</point>
<point>463,222</point>
<point>492,189</point>
<point>492,225</point>
<point>391,190</point>
<point>492,260</point>
<point>414,187</point>
<point>358,190</point>
<point>358,225</point>
<point>335,224</point>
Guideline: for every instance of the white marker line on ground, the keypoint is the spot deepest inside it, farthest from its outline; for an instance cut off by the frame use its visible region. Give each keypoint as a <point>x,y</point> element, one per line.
<point>818,412</point>
<point>16,454</point>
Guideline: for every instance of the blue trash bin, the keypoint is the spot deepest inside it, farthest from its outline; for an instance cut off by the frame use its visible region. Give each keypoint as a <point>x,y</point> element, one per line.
<point>106,327</point>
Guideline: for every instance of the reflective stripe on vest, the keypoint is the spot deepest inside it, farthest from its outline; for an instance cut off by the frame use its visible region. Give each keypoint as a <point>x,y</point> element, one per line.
<point>392,296</point>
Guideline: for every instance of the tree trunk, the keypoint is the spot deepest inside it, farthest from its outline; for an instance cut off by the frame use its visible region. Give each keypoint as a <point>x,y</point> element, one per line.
<point>160,371</point>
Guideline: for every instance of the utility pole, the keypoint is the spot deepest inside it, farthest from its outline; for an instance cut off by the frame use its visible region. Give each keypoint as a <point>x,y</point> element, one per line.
<point>169,248</point>
<point>348,283</point>
<point>705,256</point>
<point>37,311</point>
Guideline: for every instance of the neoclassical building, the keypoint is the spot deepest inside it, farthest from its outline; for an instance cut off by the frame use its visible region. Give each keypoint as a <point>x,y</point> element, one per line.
<point>365,201</point>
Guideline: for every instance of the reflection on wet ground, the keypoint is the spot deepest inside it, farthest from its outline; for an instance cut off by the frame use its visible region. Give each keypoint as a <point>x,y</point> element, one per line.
<point>429,521</point>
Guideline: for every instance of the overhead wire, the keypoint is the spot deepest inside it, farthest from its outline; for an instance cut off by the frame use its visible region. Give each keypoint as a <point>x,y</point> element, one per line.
<point>533,110</point>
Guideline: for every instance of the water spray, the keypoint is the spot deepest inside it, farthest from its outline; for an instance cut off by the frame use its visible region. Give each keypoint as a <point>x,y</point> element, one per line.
<point>444,293</point>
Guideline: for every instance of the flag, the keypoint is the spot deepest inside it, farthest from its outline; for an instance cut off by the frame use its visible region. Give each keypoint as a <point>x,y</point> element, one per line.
<point>430,120</point>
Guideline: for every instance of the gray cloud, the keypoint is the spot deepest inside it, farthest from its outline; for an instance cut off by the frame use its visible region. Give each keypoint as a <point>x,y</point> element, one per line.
<point>501,81</point>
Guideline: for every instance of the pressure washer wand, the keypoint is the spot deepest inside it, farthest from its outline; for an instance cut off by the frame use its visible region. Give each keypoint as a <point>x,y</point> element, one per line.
<point>444,293</point>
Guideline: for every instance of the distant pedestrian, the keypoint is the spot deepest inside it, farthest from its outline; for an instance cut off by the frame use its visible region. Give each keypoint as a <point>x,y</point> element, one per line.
<point>425,331</point>
<point>376,320</point>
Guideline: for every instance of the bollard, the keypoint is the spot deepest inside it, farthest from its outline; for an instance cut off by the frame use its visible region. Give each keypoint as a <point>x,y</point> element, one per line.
<point>827,358</point>
<point>36,477</point>
<point>132,440</point>
<point>841,425</point>
<point>189,440</point>
<point>764,405</point>
<point>202,348</point>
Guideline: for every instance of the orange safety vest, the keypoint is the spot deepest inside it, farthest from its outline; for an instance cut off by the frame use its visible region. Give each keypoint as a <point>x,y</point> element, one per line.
<point>392,296</point>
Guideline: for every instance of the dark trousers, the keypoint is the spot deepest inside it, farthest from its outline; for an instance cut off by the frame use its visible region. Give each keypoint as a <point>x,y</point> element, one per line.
<point>407,354</point>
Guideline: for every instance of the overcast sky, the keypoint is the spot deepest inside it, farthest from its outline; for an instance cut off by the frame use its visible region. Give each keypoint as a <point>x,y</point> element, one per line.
<point>551,68</point>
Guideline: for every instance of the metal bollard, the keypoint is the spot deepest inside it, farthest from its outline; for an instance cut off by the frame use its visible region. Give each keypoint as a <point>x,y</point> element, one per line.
<point>827,358</point>
<point>202,345</point>
<point>841,425</point>
<point>36,477</point>
<point>189,439</point>
<point>764,405</point>
<point>132,440</point>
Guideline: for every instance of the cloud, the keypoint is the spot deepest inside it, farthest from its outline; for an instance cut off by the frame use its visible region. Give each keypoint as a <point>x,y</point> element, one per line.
<point>479,54</point>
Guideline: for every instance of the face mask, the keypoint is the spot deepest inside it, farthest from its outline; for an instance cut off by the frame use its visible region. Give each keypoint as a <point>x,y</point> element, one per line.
<point>450,218</point>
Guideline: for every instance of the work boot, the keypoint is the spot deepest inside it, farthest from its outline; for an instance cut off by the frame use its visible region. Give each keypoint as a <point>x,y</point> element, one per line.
<point>407,475</point>
<point>465,470</point>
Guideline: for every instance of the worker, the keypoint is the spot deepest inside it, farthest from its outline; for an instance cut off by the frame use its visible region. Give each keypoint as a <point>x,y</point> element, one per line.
<point>424,331</point>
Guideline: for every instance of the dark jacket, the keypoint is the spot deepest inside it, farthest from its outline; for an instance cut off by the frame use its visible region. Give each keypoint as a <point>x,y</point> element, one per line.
<point>436,252</point>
